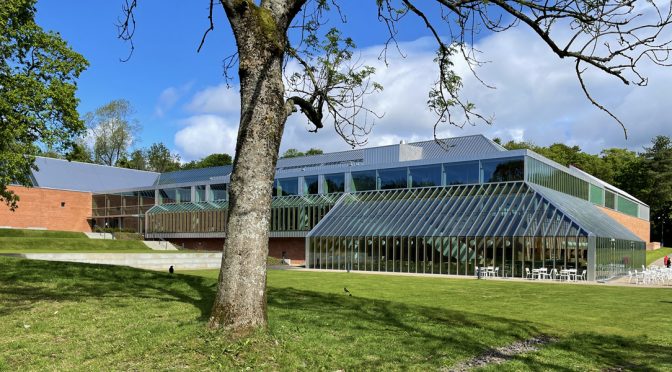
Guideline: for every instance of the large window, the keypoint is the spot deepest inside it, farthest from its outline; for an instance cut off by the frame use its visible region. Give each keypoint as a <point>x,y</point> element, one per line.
<point>502,170</point>
<point>200,193</point>
<point>425,176</point>
<point>395,178</point>
<point>183,194</point>
<point>288,186</point>
<point>334,182</point>
<point>461,173</point>
<point>609,200</point>
<point>596,195</point>
<point>310,185</point>
<point>364,180</point>
<point>627,206</point>
<point>218,192</point>
<point>167,196</point>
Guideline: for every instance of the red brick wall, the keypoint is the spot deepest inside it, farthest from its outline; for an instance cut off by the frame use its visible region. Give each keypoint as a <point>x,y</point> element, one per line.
<point>294,248</point>
<point>638,226</point>
<point>41,208</point>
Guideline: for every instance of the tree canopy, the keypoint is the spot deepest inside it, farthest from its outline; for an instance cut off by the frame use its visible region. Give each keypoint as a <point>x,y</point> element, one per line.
<point>114,131</point>
<point>38,106</point>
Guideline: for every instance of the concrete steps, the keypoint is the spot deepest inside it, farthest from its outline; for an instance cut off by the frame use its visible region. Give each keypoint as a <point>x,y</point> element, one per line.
<point>160,245</point>
<point>97,235</point>
<point>149,261</point>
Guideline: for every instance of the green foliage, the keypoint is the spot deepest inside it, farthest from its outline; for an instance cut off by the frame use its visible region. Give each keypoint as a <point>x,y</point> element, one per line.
<point>98,317</point>
<point>159,158</point>
<point>114,131</point>
<point>38,106</point>
<point>80,152</point>
<point>653,256</point>
<point>212,160</point>
<point>294,153</point>
<point>136,160</point>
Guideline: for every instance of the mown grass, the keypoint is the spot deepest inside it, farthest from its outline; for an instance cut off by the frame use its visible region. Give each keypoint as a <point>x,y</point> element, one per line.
<point>69,245</point>
<point>62,316</point>
<point>21,233</point>
<point>653,256</point>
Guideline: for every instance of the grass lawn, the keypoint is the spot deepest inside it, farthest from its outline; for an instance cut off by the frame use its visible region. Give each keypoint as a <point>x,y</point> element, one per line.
<point>62,316</point>
<point>19,233</point>
<point>45,241</point>
<point>652,256</point>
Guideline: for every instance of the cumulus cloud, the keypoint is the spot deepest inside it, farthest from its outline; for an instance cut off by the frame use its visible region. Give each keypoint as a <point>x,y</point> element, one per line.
<point>169,97</point>
<point>219,99</point>
<point>203,135</point>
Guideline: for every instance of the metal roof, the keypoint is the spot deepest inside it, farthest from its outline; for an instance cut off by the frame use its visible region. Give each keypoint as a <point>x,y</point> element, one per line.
<point>72,175</point>
<point>194,175</point>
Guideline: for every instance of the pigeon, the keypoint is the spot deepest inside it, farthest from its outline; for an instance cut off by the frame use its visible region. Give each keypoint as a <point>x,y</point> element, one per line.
<point>170,269</point>
<point>346,291</point>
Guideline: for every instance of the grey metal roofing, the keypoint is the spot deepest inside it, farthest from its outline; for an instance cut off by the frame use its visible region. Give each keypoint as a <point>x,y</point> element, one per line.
<point>458,147</point>
<point>67,175</point>
<point>194,175</point>
<point>586,214</point>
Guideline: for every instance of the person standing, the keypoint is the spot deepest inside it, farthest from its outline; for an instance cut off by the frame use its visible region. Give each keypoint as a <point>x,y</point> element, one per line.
<point>666,261</point>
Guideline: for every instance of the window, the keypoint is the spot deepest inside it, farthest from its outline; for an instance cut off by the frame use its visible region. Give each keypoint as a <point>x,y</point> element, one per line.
<point>310,185</point>
<point>200,193</point>
<point>609,200</point>
<point>167,196</point>
<point>287,186</point>
<point>503,170</point>
<point>627,206</point>
<point>395,178</point>
<point>183,194</point>
<point>334,182</point>
<point>365,180</point>
<point>425,176</point>
<point>218,192</point>
<point>596,195</point>
<point>461,173</point>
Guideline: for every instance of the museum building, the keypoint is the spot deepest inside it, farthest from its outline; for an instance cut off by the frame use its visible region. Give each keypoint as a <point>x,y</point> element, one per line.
<point>426,207</point>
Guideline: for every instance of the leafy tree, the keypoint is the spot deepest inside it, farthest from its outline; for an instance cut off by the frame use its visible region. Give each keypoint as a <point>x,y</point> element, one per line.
<point>314,151</point>
<point>292,153</point>
<point>159,159</point>
<point>38,74</point>
<point>657,164</point>
<point>212,160</point>
<point>80,152</point>
<point>114,131</point>
<point>605,36</point>
<point>136,160</point>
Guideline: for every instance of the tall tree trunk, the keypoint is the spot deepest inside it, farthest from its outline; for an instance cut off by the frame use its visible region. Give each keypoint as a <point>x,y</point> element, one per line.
<point>240,304</point>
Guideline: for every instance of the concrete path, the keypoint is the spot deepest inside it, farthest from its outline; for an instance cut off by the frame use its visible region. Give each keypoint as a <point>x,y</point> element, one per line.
<point>160,245</point>
<point>150,261</point>
<point>97,235</point>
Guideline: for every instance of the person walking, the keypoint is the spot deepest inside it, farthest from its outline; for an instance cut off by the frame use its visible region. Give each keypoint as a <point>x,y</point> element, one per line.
<point>666,261</point>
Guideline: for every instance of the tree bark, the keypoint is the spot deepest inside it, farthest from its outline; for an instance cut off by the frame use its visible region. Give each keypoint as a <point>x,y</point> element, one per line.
<point>240,303</point>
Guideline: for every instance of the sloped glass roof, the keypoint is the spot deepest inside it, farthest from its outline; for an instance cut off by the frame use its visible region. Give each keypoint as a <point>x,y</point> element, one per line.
<point>500,209</point>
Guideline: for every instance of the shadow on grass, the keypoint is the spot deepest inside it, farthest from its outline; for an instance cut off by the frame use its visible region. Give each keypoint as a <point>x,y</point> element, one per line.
<point>319,330</point>
<point>23,283</point>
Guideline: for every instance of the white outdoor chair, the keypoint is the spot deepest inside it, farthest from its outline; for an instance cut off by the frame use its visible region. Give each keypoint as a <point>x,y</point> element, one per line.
<point>528,274</point>
<point>582,276</point>
<point>496,272</point>
<point>543,273</point>
<point>554,274</point>
<point>631,276</point>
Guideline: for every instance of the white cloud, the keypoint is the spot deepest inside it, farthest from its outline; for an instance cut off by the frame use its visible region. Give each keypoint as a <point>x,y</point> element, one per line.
<point>169,97</point>
<point>203,135</point>
<point>219,99</point>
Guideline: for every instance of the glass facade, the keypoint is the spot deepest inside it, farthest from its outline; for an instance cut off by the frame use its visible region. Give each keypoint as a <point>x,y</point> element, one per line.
<point>287,186</point>
<point>218,192</point>
<point>461,173</point>
<point>556,179</point>
<point>627,206</point>
<point>310,185</point>
<point>503,170</point>
<point>425,175</point>
<point>596,195</point>
<point>453,230</point>
<point>392,178</point>
<point>363,181</point>
<point>334,183</point>
<point>199,191</point>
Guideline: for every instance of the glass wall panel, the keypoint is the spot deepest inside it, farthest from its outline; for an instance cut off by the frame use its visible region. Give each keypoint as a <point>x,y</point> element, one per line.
<point>596,195</point>
<point>287,186</point>
<point>167,196</point>
<point>364,180</point>
<point>609,199</point>
<point>183,194</point>
<point>503,170</point>
<point>627,206</point>
<point>310,185</point>
<point>200,193</point>
<point>395,178</point>
<point>425,176</point>
<point>461,173</point>
<point>334,182</point>
<point>218,192</point>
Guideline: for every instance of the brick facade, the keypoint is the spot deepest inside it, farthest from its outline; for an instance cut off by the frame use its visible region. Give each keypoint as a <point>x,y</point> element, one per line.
<point>637,226</point>
<point>294,248</point>
<point>48,209</point>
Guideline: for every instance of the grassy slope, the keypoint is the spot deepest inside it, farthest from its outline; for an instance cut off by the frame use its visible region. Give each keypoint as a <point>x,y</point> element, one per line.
<point>97,317</point>
<point>652,256</point>
<point>18,233</point>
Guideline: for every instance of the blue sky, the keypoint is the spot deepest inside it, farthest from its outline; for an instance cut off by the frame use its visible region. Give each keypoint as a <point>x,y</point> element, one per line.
<point>181,101</point>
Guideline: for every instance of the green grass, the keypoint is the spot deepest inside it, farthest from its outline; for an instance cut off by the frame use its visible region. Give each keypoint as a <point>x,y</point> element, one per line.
<point>64,316</point>
<point>67,245</point>
<point>19,233</point>
<point>652,256</point>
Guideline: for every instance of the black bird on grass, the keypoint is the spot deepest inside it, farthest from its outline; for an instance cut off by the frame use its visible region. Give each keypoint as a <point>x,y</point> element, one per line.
<point>170,269</point>
<point>346,291</point>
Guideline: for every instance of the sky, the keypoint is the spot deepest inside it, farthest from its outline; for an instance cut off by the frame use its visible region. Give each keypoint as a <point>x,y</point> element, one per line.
<point>182,99</point>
